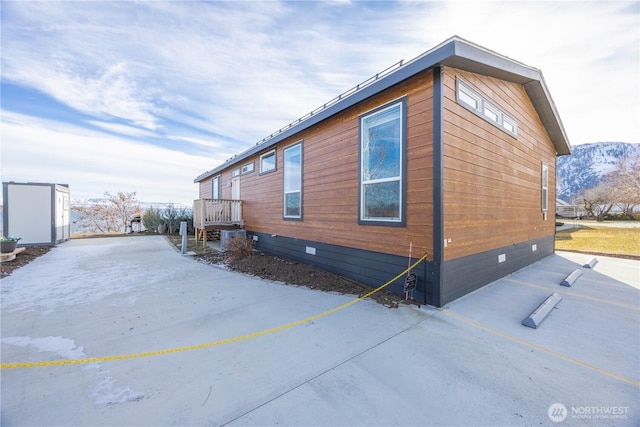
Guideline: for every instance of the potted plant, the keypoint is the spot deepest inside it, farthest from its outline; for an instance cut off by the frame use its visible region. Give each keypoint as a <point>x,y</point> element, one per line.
<point>8,244</point>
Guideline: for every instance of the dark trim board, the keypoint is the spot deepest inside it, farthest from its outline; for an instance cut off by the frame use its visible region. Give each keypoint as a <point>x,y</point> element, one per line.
<point>438,179</point>
<point>370,268</point>
<point>463,275</point>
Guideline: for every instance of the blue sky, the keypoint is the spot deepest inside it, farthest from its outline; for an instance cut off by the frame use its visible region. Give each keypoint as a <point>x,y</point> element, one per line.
<point>145,96</point>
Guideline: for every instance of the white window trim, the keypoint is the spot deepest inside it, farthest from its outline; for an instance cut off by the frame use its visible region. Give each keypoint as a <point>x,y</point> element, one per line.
<point>284,197</point>
<point>265,155</point>
<point>399,178</point>
<point>502,122</point>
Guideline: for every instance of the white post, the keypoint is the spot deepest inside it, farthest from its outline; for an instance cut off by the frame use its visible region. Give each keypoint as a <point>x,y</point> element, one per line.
<point>183,233</point>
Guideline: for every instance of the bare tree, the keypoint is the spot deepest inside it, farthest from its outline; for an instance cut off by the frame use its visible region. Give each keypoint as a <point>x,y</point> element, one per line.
<point>626,183</point>
<point>95,216</point>
<point>619,188</point>
<point>599,200</point>
<point>124,206</point>
<point>108,215</point>
<point>171,218</point>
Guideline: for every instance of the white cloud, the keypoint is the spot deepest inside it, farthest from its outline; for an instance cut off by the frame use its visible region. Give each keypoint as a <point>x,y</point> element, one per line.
<point>587,51</point>
<point>92,162</point>
<point>122,129</point>
<point>213,78</point>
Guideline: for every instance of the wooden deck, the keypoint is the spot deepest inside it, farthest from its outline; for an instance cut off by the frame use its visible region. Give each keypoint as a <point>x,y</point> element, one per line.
<point>212,215</point>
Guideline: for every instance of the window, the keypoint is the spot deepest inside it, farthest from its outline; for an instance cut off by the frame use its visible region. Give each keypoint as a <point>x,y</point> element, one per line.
<point>545,188</point>
<point>236,172</point>
<point>293,181</point>
<point>268,162</point>
<point>476,103</point>
<point>248,168</point>
<point>469,97</point>
<point>491,113</point>
<point>215,187</point>
<point>382,165</point>
<point>509,124</point>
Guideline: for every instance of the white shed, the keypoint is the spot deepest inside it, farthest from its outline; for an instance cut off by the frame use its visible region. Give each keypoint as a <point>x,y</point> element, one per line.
<point>38,213</point>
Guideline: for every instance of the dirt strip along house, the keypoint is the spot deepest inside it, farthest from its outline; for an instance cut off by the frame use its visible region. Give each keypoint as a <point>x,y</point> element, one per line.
<point>453,153</point>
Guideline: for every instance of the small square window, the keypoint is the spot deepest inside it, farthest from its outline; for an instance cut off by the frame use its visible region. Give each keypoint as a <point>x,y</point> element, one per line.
<point>268,162</point>
<point>248,168</point>
<point>468,97</point>
<point>509,124</point>
<point>236,172</point>
<point>491,113</point>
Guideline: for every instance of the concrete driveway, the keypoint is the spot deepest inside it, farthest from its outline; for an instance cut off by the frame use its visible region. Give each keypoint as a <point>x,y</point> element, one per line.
<point>471,363</point>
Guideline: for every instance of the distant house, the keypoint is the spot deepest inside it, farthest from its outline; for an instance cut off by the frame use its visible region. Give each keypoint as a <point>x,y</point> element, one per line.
<point>565,210</point>
<point>453,152</point>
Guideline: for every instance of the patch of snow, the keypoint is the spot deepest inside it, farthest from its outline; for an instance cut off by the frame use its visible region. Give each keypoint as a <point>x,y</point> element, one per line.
<point>589,164</point>
<point>80,273</point>
<point>63,347</point>
<point>104,394</point>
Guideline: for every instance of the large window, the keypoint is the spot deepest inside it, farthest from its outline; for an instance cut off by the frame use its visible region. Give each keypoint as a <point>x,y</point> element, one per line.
<point>268,162</point>
<point>215,187</point>
<point>382,165</point>
<point>545,188</point>
<point>293,181</point>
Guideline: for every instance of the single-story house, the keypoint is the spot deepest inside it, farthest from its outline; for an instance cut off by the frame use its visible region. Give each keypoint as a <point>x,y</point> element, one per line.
<point>566,210</point>
<point>452,153</point>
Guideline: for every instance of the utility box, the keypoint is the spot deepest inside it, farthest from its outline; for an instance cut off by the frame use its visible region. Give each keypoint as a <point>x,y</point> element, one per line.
<point>38,213</point>
<point>227,235</point>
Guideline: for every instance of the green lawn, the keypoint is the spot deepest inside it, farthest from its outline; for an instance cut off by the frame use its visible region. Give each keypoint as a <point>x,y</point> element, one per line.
<point>606,240</point>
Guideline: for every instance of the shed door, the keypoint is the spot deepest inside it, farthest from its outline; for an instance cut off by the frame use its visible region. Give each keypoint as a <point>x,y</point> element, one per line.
<point>62,216</point>
<point>65,217</point>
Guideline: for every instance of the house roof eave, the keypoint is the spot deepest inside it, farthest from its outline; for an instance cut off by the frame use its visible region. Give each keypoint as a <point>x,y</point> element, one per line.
<point>548,113</point>
<point>454,52</point>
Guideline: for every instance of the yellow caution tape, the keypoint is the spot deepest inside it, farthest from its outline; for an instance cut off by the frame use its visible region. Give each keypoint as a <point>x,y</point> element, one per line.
<point>209,344</point>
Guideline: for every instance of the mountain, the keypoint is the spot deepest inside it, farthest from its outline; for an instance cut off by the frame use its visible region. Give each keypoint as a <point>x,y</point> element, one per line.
<point>588,164</point>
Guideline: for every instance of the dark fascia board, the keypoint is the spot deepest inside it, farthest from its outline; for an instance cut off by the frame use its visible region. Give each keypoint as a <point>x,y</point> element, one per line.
<point>546,108</point>
<point>454,52</point>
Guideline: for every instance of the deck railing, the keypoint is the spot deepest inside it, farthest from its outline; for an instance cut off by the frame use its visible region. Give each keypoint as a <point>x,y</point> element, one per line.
<point>208,212</point>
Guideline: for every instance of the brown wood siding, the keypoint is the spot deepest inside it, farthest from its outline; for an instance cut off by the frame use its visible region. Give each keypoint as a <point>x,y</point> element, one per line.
<point>206,186</point>
<point>331,179</point>
<point>492,181</point>
<point>205,189</point>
